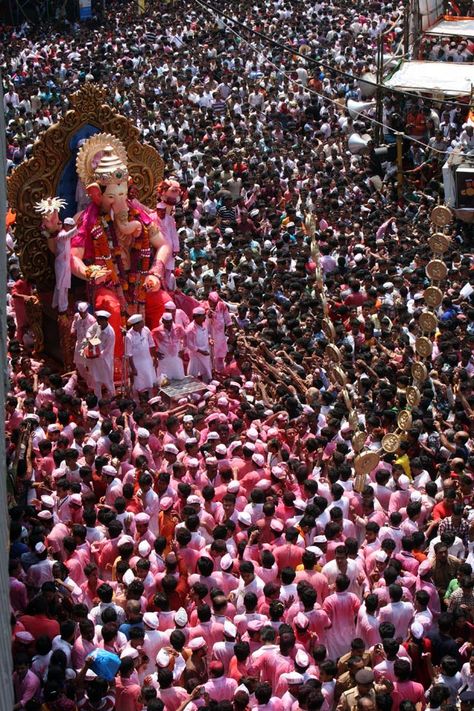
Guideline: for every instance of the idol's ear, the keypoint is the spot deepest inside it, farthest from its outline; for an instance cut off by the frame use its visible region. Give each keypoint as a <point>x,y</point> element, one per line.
<point>95,193</point>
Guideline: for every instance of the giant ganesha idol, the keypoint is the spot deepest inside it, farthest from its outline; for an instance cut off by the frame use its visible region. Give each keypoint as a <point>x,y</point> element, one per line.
<point>118,249</point>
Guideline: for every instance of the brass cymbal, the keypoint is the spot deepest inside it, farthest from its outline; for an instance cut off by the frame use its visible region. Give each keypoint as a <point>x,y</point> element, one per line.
<point>347,399</point>
<point>404,420</point>
<point>419,371</point>
<point>353,419</point>
<point>328,329</point>
<point>423,346</point>
<point>427,321</point>
<point>333,353</point>
<point>413,396</point>
<point>433,296</point>
<point>358,441</point>
<point>390,442</point>
<point>367,461</point>
<point>339,376</point>
<point>441,216</point>
<point>436,269</point>
<point>439,242</point>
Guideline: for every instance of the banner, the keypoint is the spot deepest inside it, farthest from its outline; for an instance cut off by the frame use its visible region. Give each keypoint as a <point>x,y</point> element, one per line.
<point>465,187</point>
<point>85,9</point>
<point>141,7</point>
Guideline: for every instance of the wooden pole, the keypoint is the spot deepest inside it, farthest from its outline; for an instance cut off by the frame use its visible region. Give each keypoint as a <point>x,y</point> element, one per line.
<point>399,137</point>
<point>379,92</point>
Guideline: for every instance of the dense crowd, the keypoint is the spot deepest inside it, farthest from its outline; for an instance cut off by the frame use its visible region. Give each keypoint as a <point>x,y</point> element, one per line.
<point>216,553</point>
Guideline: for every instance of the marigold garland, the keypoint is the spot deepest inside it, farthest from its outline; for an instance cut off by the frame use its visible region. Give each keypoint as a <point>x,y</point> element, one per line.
<point>107,254</point>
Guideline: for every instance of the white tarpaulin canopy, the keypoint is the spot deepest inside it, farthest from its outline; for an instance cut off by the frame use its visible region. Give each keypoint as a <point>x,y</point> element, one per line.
<point>459,28</point>
<point>449,78</point>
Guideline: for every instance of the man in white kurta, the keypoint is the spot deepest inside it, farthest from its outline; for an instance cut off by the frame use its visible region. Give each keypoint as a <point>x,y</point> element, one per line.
<point>168,338</point>
<point>141,353</point>
<point>81,323</point>
<point>198,346</point>
<point>101,369</point>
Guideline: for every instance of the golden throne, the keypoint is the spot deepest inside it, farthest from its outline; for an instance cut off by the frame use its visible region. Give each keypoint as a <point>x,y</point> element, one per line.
<point>51,171</point>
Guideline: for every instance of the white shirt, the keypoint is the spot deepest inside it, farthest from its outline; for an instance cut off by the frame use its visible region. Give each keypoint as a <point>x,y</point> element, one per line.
<point>400,614</point>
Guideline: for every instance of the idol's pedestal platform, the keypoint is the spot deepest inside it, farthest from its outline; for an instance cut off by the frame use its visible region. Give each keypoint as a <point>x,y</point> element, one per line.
<point>175,390</point>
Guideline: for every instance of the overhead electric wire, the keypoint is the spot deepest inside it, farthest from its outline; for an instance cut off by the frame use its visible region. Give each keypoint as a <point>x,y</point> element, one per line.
<point>328,67</point>
<point>327,98</point>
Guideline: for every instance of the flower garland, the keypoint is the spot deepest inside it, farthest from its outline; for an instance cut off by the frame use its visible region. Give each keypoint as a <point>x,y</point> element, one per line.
<point>107,254</point>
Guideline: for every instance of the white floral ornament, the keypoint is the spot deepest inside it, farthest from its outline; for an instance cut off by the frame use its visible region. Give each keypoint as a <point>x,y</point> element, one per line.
<point>49,205</point>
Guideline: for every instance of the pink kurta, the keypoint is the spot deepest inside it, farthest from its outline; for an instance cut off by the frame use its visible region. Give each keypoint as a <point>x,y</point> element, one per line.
<point>341,607</point>
<point>221,689</point>
<point>218,320</point>
<point>367,628</point>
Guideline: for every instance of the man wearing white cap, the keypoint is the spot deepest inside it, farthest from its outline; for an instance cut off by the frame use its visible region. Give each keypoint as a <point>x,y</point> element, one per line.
<point>294,682</point>
<point>101,369</point>
<point>180,317</point>
<point>188,431</point>
<point>153,641</point>
<point>224,651</point>
<point>141,353</point>
<point>168,337</point>
<point>42,571</point>
<point>61,247</point>
<point>142,447</point>
<point>114,485</point>
<point>142,532</point>
<point>81,323</point>
<point>198,346</point>
<point>196,664</point>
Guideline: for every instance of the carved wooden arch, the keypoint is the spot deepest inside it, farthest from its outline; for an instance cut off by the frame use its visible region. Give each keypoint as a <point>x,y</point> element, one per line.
<point>39,176</point>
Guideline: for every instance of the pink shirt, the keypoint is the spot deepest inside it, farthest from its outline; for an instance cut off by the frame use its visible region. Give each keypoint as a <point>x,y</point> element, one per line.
<point>76,568</point>
<point>145,451</point>
<point>127,694</point>
<point>80,650</point>
<point>316,580</point>
<point>26,688</point>
<point>18,595</point>
<point>228,582</point>
<point>221,689</point>
<point>172,697</point>
<point>408,561</point>
<point>398,500</point>
<point>211,631</point>
<point>367,627</point>
<point>318,618</point>
<point>341,608</point>
<point>107,557</point>
<point>288,556</point>
<point>223,652</point>
<point>270,666</point>
<point>408,691</point>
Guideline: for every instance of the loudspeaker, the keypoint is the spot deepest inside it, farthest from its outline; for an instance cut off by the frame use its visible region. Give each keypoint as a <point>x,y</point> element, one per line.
<point>357,143</point>
<point>356,108</point>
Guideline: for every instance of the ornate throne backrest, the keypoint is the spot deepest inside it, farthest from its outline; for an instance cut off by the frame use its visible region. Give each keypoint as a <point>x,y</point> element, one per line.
<point>51,171</point>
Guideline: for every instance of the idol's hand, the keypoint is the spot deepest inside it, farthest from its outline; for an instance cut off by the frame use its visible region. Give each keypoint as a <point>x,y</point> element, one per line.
<point>152,283</point>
